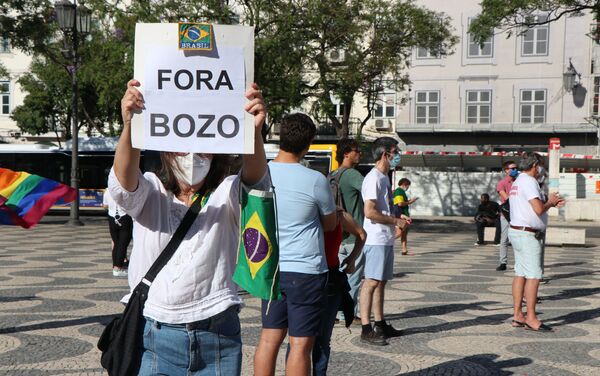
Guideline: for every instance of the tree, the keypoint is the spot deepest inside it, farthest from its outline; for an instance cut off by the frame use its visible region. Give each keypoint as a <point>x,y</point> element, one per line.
<point>520,15</point>
<point>373,39</point>
<point>294,40</point>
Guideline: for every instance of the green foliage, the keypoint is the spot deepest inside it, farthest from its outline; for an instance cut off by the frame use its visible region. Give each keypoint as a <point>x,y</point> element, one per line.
<point>47,106</point>
<point>519,15</point>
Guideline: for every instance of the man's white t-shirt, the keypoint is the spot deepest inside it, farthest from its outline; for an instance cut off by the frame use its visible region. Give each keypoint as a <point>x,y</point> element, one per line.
<point>523,189</point>
<point>376,186</point>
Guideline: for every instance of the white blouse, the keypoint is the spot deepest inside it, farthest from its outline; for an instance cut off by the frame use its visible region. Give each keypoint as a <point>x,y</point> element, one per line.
<point>196,282</point>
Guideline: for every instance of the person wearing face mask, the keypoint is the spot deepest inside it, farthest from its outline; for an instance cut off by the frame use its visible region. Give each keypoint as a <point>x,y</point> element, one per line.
<point>379,224</point>
<point>192,325</point>
<point>503,188</point>
<point>401,206</point>
<point>528,221</point>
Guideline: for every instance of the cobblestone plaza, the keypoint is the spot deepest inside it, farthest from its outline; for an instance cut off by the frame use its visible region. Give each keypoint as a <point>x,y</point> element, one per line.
<point>57,292</point>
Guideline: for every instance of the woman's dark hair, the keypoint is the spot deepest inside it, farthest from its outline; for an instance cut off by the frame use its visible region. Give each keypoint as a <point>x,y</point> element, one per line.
<point>220,167</point>
<point>485,197</point>
<point>296,133</point>
<point>345,145</point>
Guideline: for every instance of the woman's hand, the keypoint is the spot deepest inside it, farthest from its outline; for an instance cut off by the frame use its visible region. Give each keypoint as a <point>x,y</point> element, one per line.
<point>256,106</point>
<point>132,101</point>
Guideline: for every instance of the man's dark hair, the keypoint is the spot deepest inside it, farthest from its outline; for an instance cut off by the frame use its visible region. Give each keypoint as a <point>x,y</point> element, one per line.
<point>485,197</point>
<point>383,145</point>
<point>404,181</point>
<point>507,163</point>
<point>296,133</point>
<point>530,159</point>
<point>345,145</point>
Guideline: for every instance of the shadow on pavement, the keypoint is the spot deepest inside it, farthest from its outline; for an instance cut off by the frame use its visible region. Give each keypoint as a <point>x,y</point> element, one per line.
<point>571,275</point>
<point>441,310</point>
<point>561,264</point>
<point>471,364</point>
<point>499,319</point>
<point>441,226</point>
<point>573,293</point>
<point>10,299</point>
<point>100,319</point>
<point>575,317</point>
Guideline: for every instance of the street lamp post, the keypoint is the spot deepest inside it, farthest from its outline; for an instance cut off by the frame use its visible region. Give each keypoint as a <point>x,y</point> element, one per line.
<point>74,21</point>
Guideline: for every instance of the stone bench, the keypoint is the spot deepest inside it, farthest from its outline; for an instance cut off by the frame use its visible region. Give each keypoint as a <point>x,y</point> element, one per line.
<point>554,235</point>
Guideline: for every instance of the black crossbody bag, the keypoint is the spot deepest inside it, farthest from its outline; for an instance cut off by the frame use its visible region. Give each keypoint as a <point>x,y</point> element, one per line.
<point>121,341</point>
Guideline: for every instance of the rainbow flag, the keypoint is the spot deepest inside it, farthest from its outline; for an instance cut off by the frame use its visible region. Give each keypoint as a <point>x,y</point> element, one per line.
<point>26,198</point>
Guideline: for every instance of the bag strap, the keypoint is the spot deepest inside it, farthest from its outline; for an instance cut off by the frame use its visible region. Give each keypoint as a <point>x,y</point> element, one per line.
<point>170,249</point>
<point>338,178</point>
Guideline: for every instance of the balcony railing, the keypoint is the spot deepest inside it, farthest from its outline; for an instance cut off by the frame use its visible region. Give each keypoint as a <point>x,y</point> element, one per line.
<point>326,128</point>
<point>496,127</point>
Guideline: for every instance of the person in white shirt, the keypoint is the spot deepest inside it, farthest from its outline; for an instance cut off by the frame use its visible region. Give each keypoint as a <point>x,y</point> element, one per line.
<point>120,226</point>
<point>528,220</point>
<point>192,324</point>
<point>379,248</point>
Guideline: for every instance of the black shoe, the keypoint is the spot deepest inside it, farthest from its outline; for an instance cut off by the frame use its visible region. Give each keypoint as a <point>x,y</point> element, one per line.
<point>501,267</point>
<point>373,338</point>
<point>387,331</point>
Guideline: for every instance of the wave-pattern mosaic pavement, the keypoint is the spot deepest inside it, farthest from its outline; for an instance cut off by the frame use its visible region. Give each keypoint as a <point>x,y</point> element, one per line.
<point>57,292</point>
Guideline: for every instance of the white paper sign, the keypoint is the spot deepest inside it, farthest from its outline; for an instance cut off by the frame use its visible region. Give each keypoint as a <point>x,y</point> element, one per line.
<point>194,102</point>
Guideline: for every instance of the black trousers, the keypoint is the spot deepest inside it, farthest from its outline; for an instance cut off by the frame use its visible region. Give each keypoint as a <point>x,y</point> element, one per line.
<point>121,237</point>
<point>480,230</point>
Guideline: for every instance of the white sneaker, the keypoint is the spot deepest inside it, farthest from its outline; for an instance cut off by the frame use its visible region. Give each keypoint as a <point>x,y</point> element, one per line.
<point>119,272</point>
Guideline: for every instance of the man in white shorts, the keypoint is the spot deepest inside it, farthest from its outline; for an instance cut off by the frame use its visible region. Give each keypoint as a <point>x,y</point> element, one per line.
<point>379,248</point>
<point>528,220</point>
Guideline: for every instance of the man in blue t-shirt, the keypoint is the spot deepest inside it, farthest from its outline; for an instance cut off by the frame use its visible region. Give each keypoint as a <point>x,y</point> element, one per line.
<point>305,209</point>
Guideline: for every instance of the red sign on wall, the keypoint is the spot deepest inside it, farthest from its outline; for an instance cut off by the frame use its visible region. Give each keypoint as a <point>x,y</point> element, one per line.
<point>554,144</point>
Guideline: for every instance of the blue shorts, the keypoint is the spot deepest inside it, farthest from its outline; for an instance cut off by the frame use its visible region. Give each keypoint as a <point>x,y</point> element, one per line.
<point>529,254</point>
<point>379,262</point>
<point>301,306</point>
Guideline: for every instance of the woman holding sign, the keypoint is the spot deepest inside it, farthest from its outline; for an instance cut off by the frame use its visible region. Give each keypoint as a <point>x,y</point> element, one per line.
<point>192,325</point>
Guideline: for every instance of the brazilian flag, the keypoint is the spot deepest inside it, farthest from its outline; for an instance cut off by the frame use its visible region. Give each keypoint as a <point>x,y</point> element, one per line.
<point>257,268</point>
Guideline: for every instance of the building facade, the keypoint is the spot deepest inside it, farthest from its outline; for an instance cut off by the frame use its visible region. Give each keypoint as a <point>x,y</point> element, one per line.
<point>508,94</point>
<point>11,96</point>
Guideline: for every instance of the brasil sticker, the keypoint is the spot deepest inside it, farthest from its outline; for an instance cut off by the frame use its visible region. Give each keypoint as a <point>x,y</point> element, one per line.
<point>195,36</point>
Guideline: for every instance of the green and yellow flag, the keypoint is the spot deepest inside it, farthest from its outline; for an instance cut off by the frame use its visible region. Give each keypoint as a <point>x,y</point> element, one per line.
<point>258,256</point>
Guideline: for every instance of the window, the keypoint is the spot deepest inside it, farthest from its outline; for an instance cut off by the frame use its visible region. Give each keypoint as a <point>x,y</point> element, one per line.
<point>533,106</point>
<point>424,53</point>
<point>479,106</point>
<point>534,41</point>
<point>5,97</point>
<point>427,107</point>
<point>385,107</point>
<point>595,97</point>
<point>475,49</point>
<point>339,109</point>
<point>4,45</point>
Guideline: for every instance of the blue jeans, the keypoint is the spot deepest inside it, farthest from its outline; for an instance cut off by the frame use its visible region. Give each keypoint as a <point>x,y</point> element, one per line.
<point>354,279</point>
<point>208,347</point>
<point>321,349</point>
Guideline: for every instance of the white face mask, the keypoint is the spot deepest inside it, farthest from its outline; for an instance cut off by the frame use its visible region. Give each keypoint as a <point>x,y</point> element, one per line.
<point>541,177</point>
<point>192,168</point>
